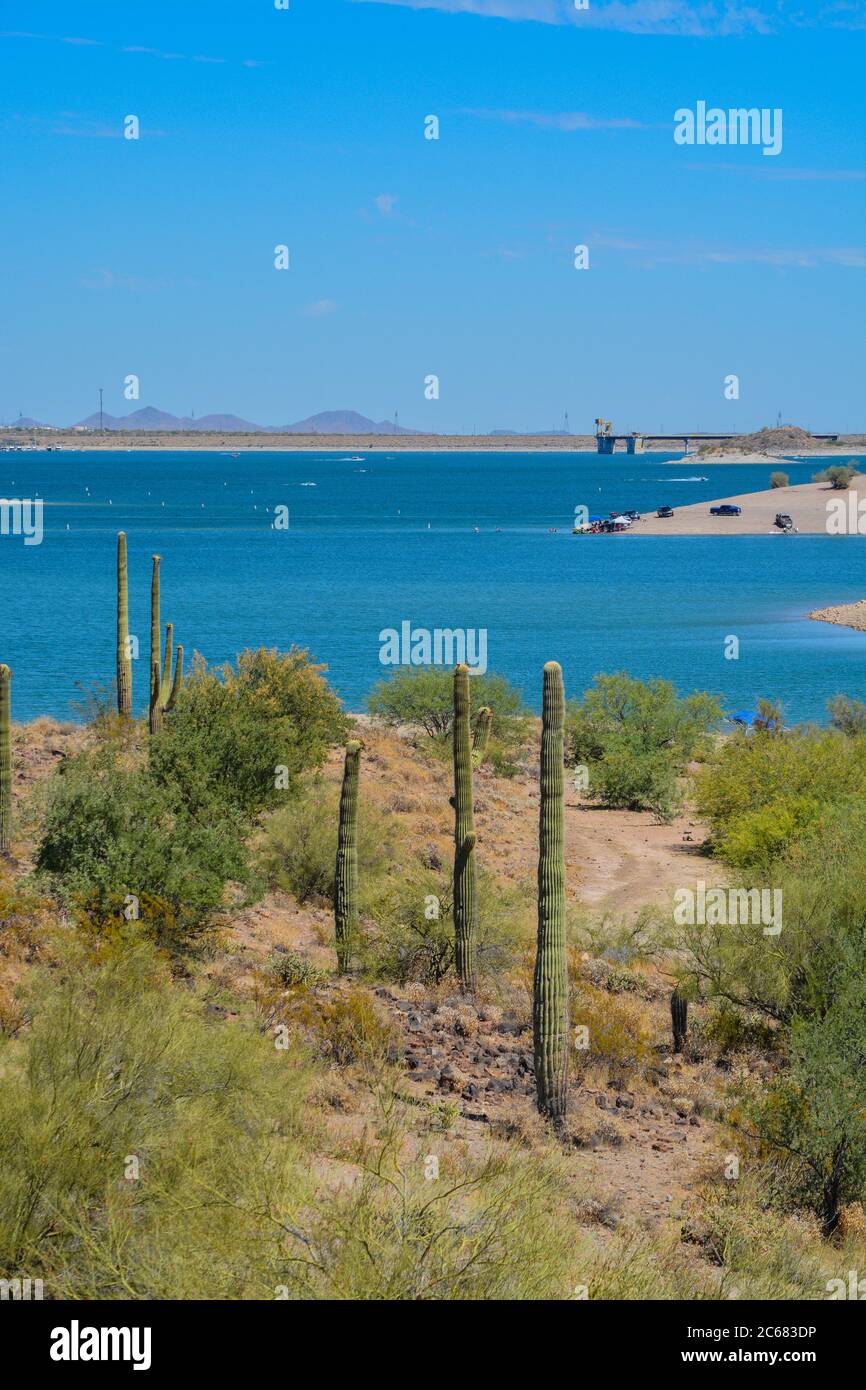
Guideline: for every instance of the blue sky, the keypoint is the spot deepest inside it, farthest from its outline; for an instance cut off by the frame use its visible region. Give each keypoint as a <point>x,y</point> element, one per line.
<point>412,257</point>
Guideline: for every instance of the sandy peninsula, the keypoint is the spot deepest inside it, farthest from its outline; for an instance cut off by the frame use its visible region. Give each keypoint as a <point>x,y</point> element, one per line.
<point>805,503</point>
<point>844,615</point>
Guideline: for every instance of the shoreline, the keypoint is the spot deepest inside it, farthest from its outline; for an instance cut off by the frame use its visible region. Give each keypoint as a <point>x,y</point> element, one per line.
<point>806,503</point>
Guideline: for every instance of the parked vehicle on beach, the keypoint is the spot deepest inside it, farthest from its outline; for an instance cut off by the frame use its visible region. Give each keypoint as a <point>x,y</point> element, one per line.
<point>726,509</point>
<point>665,511</point>
<point>784,521</point>
<point>632,515</point>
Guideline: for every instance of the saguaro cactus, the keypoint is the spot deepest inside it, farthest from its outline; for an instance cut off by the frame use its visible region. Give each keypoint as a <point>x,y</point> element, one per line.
<point>165,683</point>
<point>346,875</point>
<point>481,737</point>
<point>550,992</point>
<point>177,684</point>
<point>155,626</point>
<point>679,1019</point>
<point>155,715</point>
<point>465,877</point>
<point>5,758</point>
<point>124,661</point>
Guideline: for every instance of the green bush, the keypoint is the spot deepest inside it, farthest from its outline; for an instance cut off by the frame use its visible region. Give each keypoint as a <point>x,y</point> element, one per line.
<point>847,716</point>
<point>240,737</point>
<point>761,792</point>
<point>636,738</point>
<point>423,697</point>
<point>144,1148</point>
<point>839,475</point>
<point>111,834</point>
<point>779,480</point>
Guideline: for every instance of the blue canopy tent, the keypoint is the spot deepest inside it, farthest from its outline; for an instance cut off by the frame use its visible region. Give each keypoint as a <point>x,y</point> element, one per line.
<point>751,719</point>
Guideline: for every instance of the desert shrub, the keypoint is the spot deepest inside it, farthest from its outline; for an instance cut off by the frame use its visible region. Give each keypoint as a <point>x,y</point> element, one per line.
<point>344,1027</point>
<point>636,738</point>
<point>839,475</point>
<point>480,1232</point>
<point>297,848</point>
<point>811,1116</point>
<point>143,1147</point>
<point>415,937</point>
<point>762,792</point>
<point>779,479</point>
<point>291,970</point>
<point>847,716</point>
<point>616,1031</point>
<point>423,697</point>
<point>111,834</point>
<point>235,727</point>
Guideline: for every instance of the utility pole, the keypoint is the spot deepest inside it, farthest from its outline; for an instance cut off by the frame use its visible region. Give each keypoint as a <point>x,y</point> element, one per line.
<point>100,410</point>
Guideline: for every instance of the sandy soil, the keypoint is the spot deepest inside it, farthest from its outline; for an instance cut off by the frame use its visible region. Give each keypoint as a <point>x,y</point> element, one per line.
<point>844,615</point>
<point>805,503</point>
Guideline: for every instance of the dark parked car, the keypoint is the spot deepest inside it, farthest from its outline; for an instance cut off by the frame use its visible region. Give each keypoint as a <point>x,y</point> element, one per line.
<point>784,522</point>
<point>633,515</point>
<point>665,511</point>
<point>726,509</point>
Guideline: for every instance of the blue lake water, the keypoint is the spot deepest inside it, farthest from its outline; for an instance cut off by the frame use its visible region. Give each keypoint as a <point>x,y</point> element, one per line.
<point>388,539</point>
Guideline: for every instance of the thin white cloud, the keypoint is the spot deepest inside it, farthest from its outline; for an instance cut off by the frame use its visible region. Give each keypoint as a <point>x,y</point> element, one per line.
<point>134,49</point>
<point>650,254</point>
<point>385,203</point>
<point>320,309</point>
<point>692,18</point>
<point>556,120</point>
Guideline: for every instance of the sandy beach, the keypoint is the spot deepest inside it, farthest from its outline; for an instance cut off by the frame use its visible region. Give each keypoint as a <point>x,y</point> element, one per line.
<point>805,503</point>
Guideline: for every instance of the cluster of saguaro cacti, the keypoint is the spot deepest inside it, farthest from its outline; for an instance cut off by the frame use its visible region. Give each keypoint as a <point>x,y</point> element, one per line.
<point>5,758</point>
<point>550,989</point>
<point>465,877</point>
<point>481,737</point>
<point>679,1019</point>
<point>164,689</point>
<point>346,874</point>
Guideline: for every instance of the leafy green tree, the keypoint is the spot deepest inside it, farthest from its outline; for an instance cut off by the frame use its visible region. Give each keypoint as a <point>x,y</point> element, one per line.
<point>423,697</point>
<point>848,716</point>
<point>839,475</point>
<point>239,737</point>
<point>636,738</point>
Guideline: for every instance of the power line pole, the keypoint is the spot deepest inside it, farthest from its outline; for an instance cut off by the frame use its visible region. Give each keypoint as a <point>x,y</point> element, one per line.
<point>100,410</point>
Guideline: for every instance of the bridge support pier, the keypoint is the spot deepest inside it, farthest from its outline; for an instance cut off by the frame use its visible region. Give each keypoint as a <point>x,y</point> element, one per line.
<point>605,443</point>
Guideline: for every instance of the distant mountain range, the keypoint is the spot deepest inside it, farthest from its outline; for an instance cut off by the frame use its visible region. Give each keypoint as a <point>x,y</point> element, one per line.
<point>326,422</point>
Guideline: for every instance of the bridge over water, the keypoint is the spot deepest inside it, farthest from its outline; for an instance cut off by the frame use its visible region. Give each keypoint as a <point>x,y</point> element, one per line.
<point>634,442</point>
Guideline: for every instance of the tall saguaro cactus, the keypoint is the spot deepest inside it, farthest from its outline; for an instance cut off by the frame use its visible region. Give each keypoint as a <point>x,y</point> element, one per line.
<point>155,714</point>
<point>124,661</point>
<point>5,758</point>
<point>465,877</point>
<point>550,991</point>
<point>346,875</point>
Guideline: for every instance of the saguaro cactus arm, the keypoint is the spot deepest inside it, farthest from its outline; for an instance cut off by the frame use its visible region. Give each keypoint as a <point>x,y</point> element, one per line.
<point>465,876</point>
<point>5,758</point>
<point>550,991</point>
<point>155,716</point>
<point>124,661</point>
<point>165,683</point>
<point>346,873</point>
<point>481,737</point>
<point>177,684</point>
